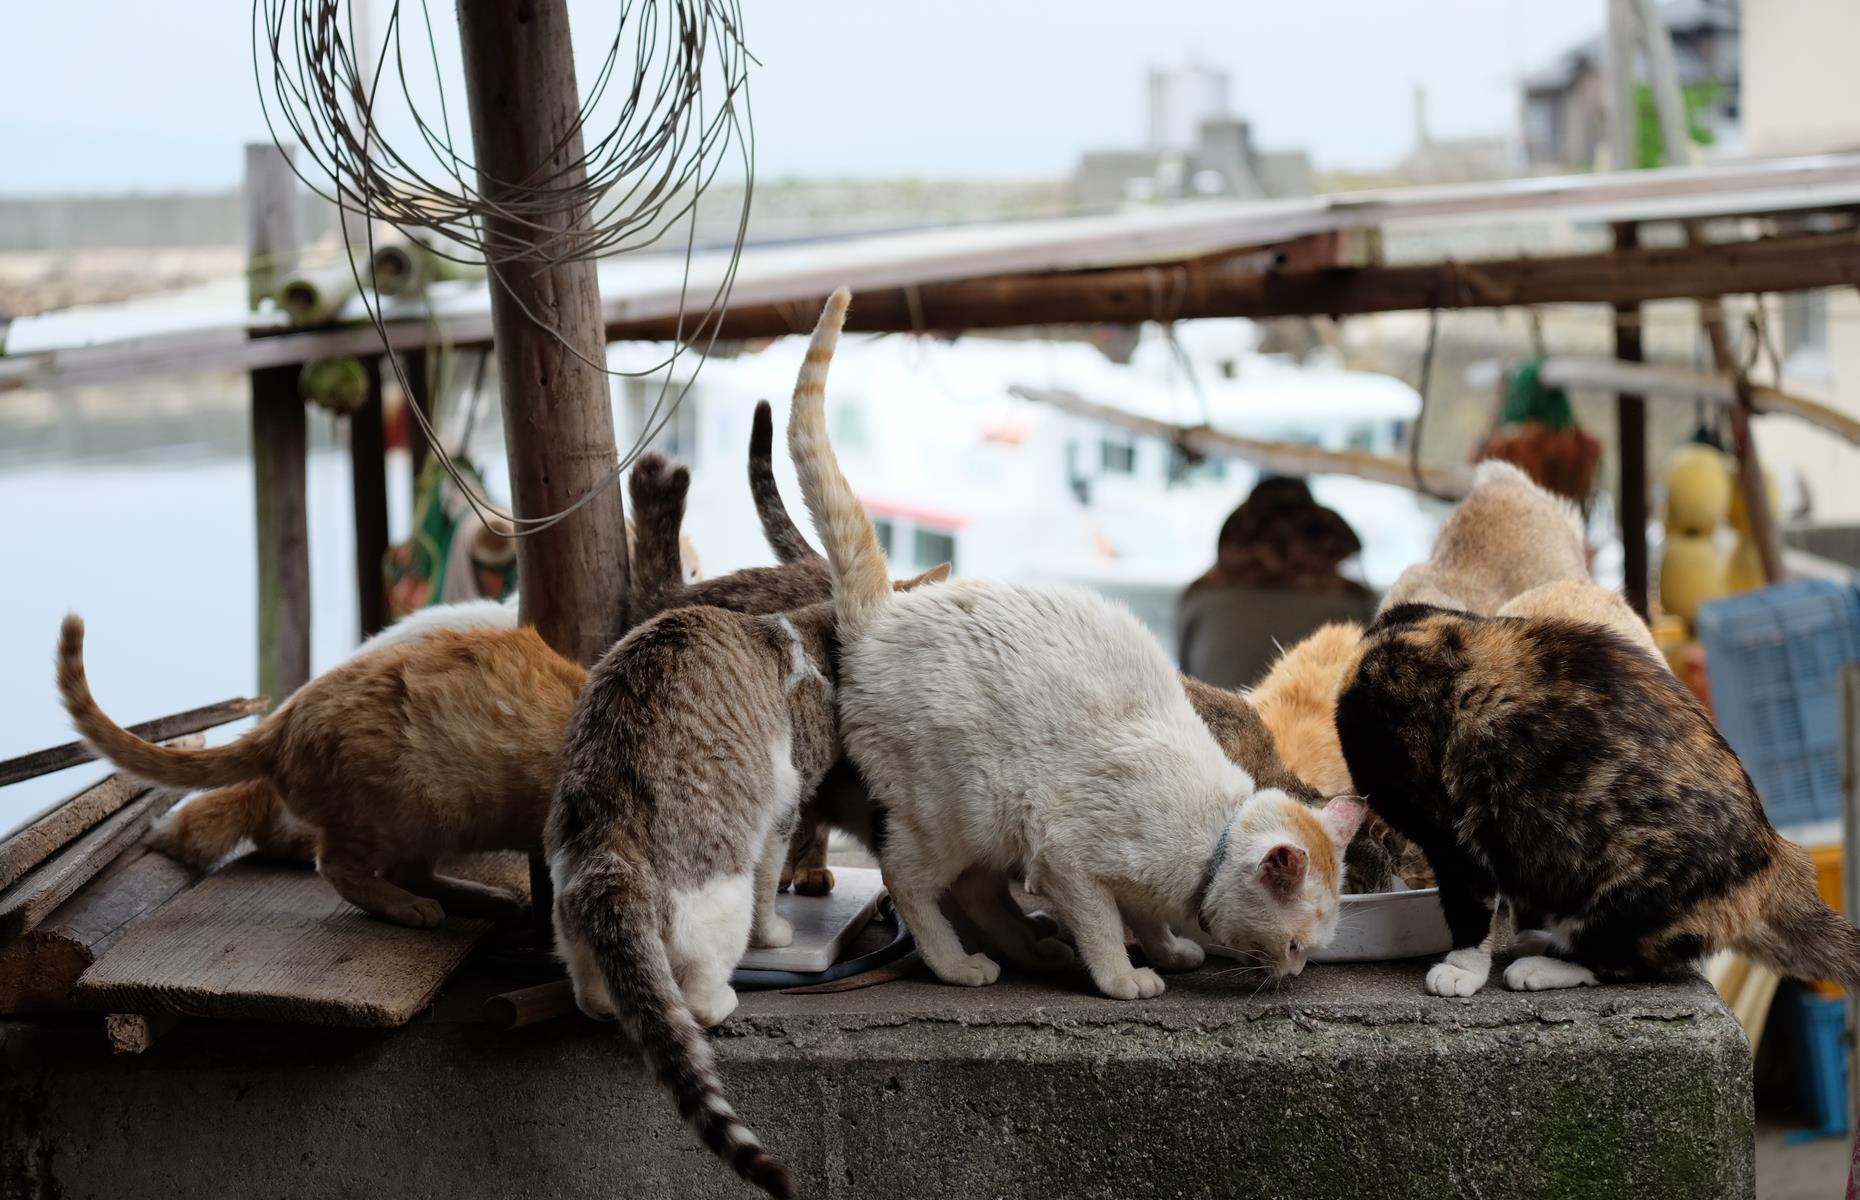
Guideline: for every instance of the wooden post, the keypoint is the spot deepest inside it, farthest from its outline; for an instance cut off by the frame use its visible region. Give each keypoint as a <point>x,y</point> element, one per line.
<point>1631,438</point>
<point>558,420</point>
<point>368,471</point>
<point>279,438</point>
<point>1623,122</point>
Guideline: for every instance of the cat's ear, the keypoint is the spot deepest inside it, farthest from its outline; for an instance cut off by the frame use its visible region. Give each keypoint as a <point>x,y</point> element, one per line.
<point>1343,815</point>
<point>1283,868</point>
<point>934,575</point>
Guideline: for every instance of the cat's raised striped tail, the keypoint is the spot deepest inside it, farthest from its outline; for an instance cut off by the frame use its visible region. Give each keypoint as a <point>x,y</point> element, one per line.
<point>614,906</point>
<point>245,759</point>
<point>861,586</point>
<point>778,528</point>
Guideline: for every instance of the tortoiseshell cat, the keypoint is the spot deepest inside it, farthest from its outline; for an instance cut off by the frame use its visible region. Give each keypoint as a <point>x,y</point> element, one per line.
<point>1564,768</point>
<point>686,761</point>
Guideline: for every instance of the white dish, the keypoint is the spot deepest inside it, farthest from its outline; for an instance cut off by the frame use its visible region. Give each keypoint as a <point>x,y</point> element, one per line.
<point>1374,926</point>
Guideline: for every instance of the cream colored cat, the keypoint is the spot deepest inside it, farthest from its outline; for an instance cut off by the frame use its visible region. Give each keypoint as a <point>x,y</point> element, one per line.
<point>1003,727</point>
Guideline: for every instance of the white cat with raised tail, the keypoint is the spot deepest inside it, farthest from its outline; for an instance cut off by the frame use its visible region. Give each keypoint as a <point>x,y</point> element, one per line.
<point>1001,726</point>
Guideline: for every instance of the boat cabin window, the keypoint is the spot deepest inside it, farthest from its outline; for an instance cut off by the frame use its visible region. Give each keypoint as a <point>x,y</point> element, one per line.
<point>933,547</point>
<point>1118,456</point>
<point>678,434</point>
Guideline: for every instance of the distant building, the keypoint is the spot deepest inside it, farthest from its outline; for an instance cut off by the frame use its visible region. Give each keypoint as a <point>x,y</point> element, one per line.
<point>1566,102</point>
<point>1197,147</point>
<point>1453,160</point>
<point>1802,96</point>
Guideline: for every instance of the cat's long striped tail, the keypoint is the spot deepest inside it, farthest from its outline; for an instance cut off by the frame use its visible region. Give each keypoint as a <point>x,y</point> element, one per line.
<point>1798,934</point>
<point>218,766</point>
<point>861,586</point>
<point>613,905</point>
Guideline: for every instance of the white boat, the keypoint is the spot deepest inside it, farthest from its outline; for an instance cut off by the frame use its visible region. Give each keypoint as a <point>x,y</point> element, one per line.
<point>952,467</point>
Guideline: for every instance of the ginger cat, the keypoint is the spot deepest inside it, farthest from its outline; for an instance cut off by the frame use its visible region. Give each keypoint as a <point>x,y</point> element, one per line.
<point>447,744</point>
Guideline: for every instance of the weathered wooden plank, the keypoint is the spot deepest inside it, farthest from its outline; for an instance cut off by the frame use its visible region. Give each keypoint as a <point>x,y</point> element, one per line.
<point>25,905</point>
<point>255,941</point>
<point>38,971</point>
<point>55,830</point>
<point>44,762</point>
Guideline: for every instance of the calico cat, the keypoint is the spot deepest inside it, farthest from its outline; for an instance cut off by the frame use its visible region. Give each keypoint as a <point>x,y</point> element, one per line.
<point>210,826</point>
<point>1001,726</point>
<point>686,761</point>
<point>1563,768</point>
<point>1506,537</point>
<point>445,745</point>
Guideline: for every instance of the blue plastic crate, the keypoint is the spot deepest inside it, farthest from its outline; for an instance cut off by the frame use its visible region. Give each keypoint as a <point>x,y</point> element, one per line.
<point>1775,659</point>
<point>1816,1027</point>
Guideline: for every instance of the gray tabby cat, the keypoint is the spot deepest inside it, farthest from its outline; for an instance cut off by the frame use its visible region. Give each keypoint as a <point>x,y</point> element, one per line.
<point>683,768</point>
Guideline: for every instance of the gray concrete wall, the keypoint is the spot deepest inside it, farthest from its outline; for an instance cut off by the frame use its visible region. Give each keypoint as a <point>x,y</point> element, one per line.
<point>1348,1082</point>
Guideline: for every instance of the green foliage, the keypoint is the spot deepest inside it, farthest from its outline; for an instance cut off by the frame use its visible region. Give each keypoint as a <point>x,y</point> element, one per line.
<point>1650,141</point>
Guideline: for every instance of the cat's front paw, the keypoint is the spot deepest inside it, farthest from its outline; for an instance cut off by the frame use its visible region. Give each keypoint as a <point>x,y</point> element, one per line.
<point>1541,974</point>
<point>971,970</point>
<point>417,914</point>
<point>1462,973</point>
<point>1178,954</point>
<point>774,932</point>
<point>813,881</point>
<point>1138,983</point>
<point>713,1010</point>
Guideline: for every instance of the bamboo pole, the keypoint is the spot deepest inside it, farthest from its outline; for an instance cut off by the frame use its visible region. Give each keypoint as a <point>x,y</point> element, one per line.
<point>1286,458</point>
<point>1715,388</point>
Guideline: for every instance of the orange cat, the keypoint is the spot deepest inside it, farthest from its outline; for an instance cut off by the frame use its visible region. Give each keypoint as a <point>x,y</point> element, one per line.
<point>446,744</point>
<point>1298,702</point>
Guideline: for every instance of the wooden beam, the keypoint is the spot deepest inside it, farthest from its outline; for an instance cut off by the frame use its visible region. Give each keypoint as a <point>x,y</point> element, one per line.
<point>135,1033</point>
<point>368,473</point>
<point>546,315</point>
<point>43,762</point>
<point>1286,458</point>
<point>1182,291</point>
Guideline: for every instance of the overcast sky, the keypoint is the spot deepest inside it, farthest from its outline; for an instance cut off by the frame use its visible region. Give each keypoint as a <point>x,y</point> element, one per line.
<point>114,95</point>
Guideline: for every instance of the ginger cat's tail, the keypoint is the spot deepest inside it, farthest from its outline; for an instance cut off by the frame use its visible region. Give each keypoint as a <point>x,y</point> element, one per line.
<point>219,766</point>
<point>778,528</point>
<point>615,904</point>
<point>1799,935</point>
<point>861,586</point>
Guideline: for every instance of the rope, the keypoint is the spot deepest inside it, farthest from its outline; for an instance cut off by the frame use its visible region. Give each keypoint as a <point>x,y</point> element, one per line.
<point>640,175</point>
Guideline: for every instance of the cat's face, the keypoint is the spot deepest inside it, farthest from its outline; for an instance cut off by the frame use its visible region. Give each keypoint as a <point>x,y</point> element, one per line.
<point>1274,899</point>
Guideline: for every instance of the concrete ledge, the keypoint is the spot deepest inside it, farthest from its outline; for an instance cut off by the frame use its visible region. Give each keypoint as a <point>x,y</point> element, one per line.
<point>1347,1082</point>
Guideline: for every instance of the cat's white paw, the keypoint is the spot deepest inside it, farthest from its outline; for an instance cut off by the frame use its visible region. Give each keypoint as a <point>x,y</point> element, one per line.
<point>1531,942</point>
<point>1179,955</point>
<point>1462,973</point>
<point>714,1009</point>
<point>1138,983</point>
<point>971,970</point>
<point>422,913</point>
<point>774,932</point>
<point>1541,974</point>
